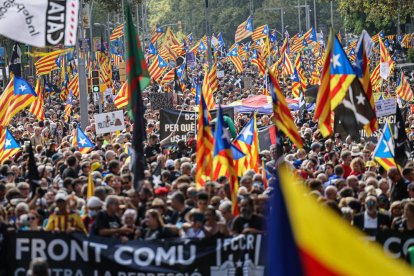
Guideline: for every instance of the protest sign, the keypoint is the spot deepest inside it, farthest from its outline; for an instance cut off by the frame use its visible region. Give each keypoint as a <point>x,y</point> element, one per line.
<point>220,74</point>
<point>108,97</point>
<point>109,122</point>
<point>77,254</point>
<point>377,134</point>
<point>40,23</point>
<point>267,137</point>
<point>385,107</point>
<point>160,100</point>
<point>191,60</point>
<point>181,122</point>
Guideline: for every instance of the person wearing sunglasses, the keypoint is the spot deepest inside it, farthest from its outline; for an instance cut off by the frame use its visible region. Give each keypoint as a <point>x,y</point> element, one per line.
<point>34,221</point>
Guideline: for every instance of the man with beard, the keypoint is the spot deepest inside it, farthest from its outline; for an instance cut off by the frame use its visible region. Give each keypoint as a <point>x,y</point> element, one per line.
<point>248,222</point>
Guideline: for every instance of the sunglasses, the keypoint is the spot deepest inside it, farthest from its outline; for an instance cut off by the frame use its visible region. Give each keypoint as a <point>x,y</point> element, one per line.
<point>31,218</point>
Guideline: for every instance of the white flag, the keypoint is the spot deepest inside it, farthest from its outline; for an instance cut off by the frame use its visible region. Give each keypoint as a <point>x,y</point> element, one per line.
<point>40,23</point>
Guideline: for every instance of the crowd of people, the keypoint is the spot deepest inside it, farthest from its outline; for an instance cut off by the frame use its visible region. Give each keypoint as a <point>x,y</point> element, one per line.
<point>340,173</point>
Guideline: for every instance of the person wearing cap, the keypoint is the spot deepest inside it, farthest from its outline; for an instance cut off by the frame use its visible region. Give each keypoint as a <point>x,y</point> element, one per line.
<point>94,206</point>
<point>63,219</point>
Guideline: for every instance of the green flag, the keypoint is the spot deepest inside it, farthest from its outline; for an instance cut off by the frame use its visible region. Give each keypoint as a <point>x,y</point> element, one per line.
<point>138,79</point>
<point>136,66</point>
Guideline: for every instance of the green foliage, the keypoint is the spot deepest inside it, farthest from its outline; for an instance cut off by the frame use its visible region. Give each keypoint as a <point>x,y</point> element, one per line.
<point>226,15</point>
<point>375,15</point>
<point>410,55</point>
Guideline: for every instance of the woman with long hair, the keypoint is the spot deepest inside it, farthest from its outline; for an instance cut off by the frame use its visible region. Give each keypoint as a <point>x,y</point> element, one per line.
<point>155,227</point>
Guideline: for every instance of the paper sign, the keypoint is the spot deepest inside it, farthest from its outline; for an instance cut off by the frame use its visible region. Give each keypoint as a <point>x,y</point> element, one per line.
<point>385,107</point>
<point>220,74</point>
<point>109,122</point>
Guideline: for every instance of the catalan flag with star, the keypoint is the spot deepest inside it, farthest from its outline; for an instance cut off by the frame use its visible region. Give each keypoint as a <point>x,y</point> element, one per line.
<point>384,152</point>
<point>244,30</point>
<point>8,145</point>
<point>260,32</point>
<point>81,141</point>
<point>235,58</point>
<point>258,61</point>
<point>223,159</point>
<point>337,76</point>
<point>157,67</point>
<point>248,143</point>
<point>16,97</point>
<point>205,142</point>
<point>403,89</point>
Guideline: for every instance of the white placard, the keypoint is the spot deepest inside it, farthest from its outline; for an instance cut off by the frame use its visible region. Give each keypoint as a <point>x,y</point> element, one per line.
<point>385,107</point>
<point>109,122</point>
<point>41,22</point>
<point>220,74</point>
<point>108,97</point>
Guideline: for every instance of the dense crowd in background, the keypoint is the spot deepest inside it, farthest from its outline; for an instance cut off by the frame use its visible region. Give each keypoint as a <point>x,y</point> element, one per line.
<point>339,172</point>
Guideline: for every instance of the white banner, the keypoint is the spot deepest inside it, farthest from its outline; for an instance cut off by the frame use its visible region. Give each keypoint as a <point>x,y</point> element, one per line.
<point>109,122</point>
<point>384,70</point>
<point>385,107</point>
<point>40,23</point>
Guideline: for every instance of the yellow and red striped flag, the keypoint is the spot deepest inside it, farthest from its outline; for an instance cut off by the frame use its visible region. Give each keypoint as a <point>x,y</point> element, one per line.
<point>168,77</point>
<point>47,64</point>
<point>74,85</point>
<point>170,38</point>
<point>385,61</point>
<point>337,75</point>
<point>301,72</point>
<point>37,106</point>
<point>205,142</point>
<point>247,142</point>
<point>157,68</point>
<point>363,74</point>
<point>223,159</point>
<point>403,89</point>
<point>281,114</point>
<point>117,33</point>
<point>207,91</point>
<point>244,30</point>
<point>315,77</point>
<point>287,65</point>
<point>258,61</point>
<point>117,59</point>
<point>156,33</point>
<point>121,99</point>
<point>16,97</point>
<point>8,145</point>
<point>260,32</point>
<point>212,75</point>
<point>234,57</point>
<point>375,78</point>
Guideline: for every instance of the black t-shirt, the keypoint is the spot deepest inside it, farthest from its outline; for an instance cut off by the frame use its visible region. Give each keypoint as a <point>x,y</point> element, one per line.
<point>256,222</point>
<point>105,221</point>
<point>69,172</point>
<point>151,151</point>
<point>180,217</point>
<point>159,233</point>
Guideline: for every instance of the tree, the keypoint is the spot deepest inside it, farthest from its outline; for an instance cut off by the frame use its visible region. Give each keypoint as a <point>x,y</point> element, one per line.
<point>375,15</point>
